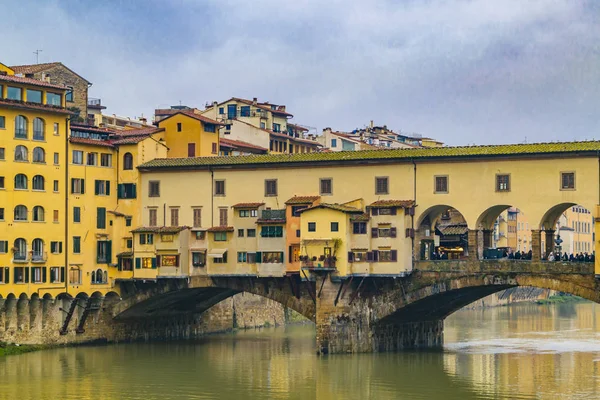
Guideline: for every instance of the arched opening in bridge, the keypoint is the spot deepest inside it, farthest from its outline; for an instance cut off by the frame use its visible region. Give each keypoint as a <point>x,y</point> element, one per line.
<point>568,234</point>
<point>442,233</point>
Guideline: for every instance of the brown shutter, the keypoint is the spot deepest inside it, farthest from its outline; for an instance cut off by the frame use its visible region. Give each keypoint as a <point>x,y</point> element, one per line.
<point>375,255</point>
<point>374,211</point>
<point>374,232</point>
<point>394,255</point>
<point>350,256</point>
<point>393,232</point>
<point>369,256</point>
<point>393,211</point>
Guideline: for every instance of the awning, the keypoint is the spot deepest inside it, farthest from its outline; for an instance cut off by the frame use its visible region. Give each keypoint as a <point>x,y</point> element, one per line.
<point>217,253</point>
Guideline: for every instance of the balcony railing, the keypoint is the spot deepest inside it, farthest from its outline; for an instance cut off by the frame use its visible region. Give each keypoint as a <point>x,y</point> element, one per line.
<point>320,262</point>
<point>39,256</point>
<point>94,102</point>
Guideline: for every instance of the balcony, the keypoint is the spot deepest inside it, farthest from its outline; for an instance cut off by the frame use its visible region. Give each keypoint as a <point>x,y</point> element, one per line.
<point>95,103</point>
<point>272,217</point>
<point>315,263</point>
<point>38,256</point>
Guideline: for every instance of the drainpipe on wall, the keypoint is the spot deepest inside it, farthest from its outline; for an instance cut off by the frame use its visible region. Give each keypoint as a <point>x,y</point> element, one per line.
<point>66,205</point>
<point>212,197</point>
<point>412,217</point>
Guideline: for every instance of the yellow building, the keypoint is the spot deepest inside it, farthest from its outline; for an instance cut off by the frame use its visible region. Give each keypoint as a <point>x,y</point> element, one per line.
<point>34,126</point>
<point>190,135</point>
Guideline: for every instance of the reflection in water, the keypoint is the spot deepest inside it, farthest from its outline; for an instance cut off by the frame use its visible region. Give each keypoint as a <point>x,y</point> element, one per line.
<point>516,352</point>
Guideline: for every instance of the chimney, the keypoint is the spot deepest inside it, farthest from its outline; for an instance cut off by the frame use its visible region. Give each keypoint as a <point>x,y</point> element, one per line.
<point>254,101</point>
<point>281,108</point>
<point>144,120</point>
<point>215,104</point>
<point>371,124</point>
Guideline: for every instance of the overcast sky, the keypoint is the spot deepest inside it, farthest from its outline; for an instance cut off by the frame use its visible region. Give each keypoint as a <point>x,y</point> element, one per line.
<point>476,71</point>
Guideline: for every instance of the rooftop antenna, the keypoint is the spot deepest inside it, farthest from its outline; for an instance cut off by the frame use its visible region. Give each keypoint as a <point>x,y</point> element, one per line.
<point>37,55</point>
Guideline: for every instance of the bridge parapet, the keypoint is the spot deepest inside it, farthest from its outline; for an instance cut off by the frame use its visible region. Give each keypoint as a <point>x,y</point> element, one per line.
<point>505,266</point>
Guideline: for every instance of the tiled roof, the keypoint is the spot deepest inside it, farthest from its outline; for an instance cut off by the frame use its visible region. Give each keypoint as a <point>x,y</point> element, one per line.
<point>286,136</point>
<point>453,229</point>
<point>337,207</point>
<point>388,155</point>
<point>30,81</point>
<point>139,131</point>
<point>247,205</point>
<point>192,114</point>
<point>277,221</point>
<point>129,140</point>
<point>87,128</point>
<point>35,68</point>
<point>160,229</point>
<point>303,199</point>
<point>92,142</point>
<point>25,105</point>
<point>125,254</point>
<point>392,203</point>
<point>238,143</point>
<point>359,217</point>
<point>220,229</point>
<point>262,106</point>
<point>298,127</point>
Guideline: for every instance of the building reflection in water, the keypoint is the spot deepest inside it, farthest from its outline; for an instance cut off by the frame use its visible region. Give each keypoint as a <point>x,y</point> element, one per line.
<point>515,352</point>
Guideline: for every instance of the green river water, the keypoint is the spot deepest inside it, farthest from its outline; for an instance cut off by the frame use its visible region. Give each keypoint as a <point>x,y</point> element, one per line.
<point>524,351</point>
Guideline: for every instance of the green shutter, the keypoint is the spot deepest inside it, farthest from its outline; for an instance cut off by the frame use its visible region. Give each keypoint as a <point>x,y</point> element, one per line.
<point>26,274</point>
<point>154,263</point>
<point>138,263</point>
<point>83,186</point>
<point>6,274</point>
<point>101,218</point>
<point>134,195</point>
<point>62,274</point>
<point>98,246</point>
<point>258,257</point>
<point>44,274</point>
<point>108,251</point>
<point>96,187</point>
<point>121,191</point>
<point>108,188</point>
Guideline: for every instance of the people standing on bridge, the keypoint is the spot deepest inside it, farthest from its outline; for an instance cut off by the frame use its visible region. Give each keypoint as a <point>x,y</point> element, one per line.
<point>518,255</point>
<point>530,255</point>
<point>550,256</point>
<point>565,256</point>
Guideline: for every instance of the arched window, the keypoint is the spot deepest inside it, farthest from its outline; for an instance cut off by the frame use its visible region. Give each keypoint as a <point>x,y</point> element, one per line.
<point>38,129</point>
<point>37,250</point>
<point>99,276</point>
<point>21,127</point>
<point>39,155</point>
<point>127,161</point>
<point>20,249</point>
<point>21,153</point>
<point>20,181</point>
<point>20,213</point>
<point>38,182</point>
<point>93,276</point>
<point>38,214</point>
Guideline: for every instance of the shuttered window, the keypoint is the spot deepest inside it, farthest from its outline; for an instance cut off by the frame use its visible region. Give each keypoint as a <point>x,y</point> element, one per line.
<point>197,217</point>
<point>441,184</point>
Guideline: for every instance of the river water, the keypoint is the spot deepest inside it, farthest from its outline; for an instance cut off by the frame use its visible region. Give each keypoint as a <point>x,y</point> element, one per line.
<point>521,351</point>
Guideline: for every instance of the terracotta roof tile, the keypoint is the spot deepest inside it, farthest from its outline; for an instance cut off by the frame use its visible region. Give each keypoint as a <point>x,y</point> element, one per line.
<point>278,221</point>
<point>388,155</point>
<point>359,217</point>
<point>192,114</point>
<point>30,81</point>
<point>220,229</point>
<point>392,203</point>
<point>35,68</point>
<point>125,254</point>
<point>160,229</point>
<point>453,229</point>
<point>239,143</point>
<point>93,142</point>
<point>247,205</point>
<point>303,199</point>
<point>139,131</point>
<point>88,128</point>
<point>337,207</point>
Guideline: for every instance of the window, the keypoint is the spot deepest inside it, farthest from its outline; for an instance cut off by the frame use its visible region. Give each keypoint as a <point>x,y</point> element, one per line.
<point>197,217</point>
<point>220,236</point>
<point>76,214</point>
<point>333,142</point>
<point>240,233</point>
<point>38,214</point>
<point>222,216</point>
<point>174,216</point>
<point>38,182</point>
<point>214,148</point>
<point>126,191</point>
<point>92,159</point>
<point>3,246</point>
<point>105,160</point>
<point>127,161</point>
<point>21,275</point>
<point>200,235</point>
<point>567,180</point>
<point>39,127</point>
<point>20,249</point>
<point>384,231</point>
<point>221,260</point>
<point>76,244</point>
<point>56,129</point>
<point>198,259</point>
<point>221,110</point>
<point>102,188</point>
<point>269,257</point>
<point>20,213</point>
<point>34,96</point>
<point>251,233</point>
<point>263,125</point>
<point>276,127</point>
<point>244,213</point>
<point>219,188</point>
<point>271,231</point>
<point>56,247</point>
<point>21,153</point>
<point>69,95</point>
<point>385,255</point>
<point>57,274</point>
<point>359,228</point>
<point>441,184</point>
<point>296,210</point>
<point>334,227</point>
<point>242,256</point>
<point>381,185</point>
<point>13,93</point>
<point>253,213</point>
<point>2,183</point>
<point>56,158</point>
<point>2,155</point>
<point>77,157</point>
<point>53,99</point>
<point>326,186</point>
<point>179,127</point>
<point>312,226</point>
<point>270,187</point>
<point>56,186</point>
<point>101,218</point>
<point>2,122</point>
<point>1,213</point>
<point>244,111</point>
<point>104,251</point>
<point>503,183</point>
<point>152,216</point>
<point>20,181</point>
<point>154,189</point>
<point>211,128</point>
<point>77,186</point>
<point>55,216</point>
<point>39,156</point>
<point>146,238</point>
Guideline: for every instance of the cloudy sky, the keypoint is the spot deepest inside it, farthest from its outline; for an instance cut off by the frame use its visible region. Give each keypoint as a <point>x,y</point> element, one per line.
<point>473,71</point>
